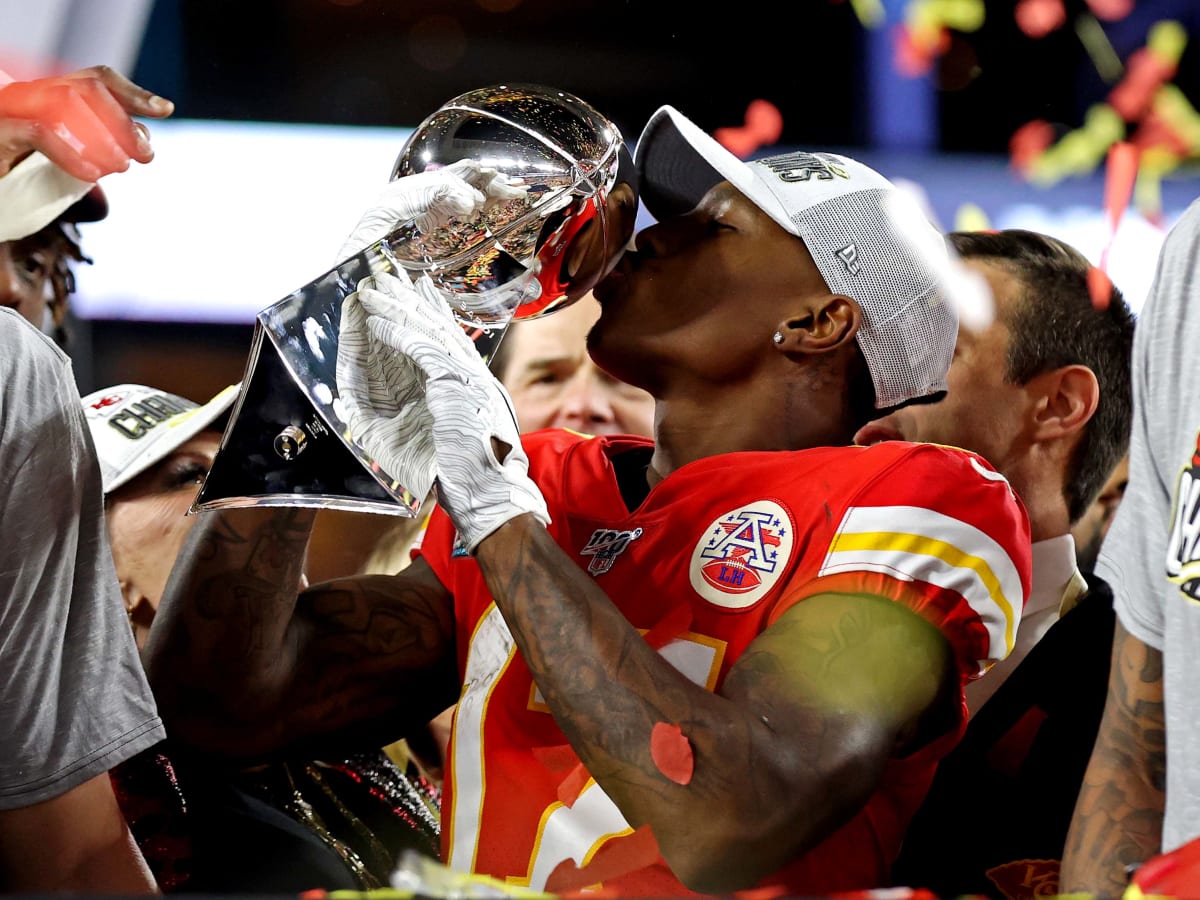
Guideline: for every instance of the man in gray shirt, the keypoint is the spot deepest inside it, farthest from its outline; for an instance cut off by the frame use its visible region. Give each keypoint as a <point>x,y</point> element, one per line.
<point>1141,793</point>
<point>73,698</point>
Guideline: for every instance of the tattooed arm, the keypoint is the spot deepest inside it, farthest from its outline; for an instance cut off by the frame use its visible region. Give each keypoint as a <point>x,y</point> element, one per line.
<point>1118,817</point>
<point>244,664</point>
<point>791,747</point>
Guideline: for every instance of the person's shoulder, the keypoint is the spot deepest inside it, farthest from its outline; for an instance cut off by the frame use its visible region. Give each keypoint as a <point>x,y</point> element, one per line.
<point>24,345</point>
<point>921,457</point>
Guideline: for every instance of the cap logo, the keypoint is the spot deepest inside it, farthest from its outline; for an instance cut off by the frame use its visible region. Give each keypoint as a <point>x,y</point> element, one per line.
<point>137,419</point>
<point>803,166</point>
<point>849,257</point>
<point>742,554</point>
<point>107,400</point>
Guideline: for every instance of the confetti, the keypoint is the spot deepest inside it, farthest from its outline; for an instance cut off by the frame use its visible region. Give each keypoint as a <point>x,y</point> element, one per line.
<point>1028,143</point>
<point>1037,18</point>
<point>871,13</point>
<point>1149,69</point>
<point>1099,48</point>
<point>614,858</point>
<point>672,752</point>
<point>763,127</point>
<point>1111,10</point>
<point>1079,151</point>
<point>970,217</point>
<point>1119,177</point>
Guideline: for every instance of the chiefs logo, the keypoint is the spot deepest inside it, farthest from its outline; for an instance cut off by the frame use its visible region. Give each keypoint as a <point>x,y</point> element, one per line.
<point>107,400</point>
<point>742,554</point>
<point>1025,879</point>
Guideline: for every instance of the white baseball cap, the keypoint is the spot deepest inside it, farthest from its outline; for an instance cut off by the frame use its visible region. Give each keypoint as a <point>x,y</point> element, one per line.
<point>869,239</point>
<point>134,426</point>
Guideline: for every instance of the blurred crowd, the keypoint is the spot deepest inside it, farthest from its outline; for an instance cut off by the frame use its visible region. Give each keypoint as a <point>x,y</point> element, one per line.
<point>787,577</point>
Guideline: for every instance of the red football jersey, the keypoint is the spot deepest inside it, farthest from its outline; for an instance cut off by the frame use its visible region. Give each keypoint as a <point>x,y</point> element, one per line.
<point>718,549</point>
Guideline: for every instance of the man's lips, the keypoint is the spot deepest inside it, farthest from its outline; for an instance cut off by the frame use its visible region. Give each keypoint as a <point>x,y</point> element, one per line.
<point>613,282</point>
<point>876,433</point>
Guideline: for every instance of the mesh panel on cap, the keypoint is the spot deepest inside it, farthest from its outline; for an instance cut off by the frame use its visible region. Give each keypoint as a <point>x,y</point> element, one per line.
<point>908,330</point>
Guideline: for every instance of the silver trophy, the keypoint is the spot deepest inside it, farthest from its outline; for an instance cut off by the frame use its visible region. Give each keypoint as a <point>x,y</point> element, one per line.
<point>288,441</point>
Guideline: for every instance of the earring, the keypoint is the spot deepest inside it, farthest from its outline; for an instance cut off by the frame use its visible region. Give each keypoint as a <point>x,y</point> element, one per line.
<point>777,337</point>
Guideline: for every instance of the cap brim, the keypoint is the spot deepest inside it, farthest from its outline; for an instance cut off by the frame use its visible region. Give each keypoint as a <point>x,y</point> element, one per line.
<point>91,207</point>
<point>678,164</point>
<point>182,428</point>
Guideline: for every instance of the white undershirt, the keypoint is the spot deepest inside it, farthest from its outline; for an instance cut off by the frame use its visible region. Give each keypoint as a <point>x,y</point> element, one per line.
<point>1056,586</point>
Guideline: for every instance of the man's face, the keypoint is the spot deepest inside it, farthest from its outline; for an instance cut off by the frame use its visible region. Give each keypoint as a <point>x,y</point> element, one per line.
<point>554,384</point>
<point>982,411</point>
<point>25,269</point>
<point>702,294</point>
<point>1090,530</point>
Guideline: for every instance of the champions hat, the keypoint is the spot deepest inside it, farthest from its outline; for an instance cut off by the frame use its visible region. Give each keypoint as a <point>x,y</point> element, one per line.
<point>134,426</point>
<point>870,241</point>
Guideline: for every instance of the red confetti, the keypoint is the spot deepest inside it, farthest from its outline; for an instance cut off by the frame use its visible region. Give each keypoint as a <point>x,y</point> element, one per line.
<point>1029,142</point>
<point>1155,131</point>
<point>1099,287</point>
<point>1119,178</point>
<point>1037,18</point>
<point>915,52</point>
<point>615,858</point>
<point>1110,10</point>
<point>1145,73</point>
<point>1120,175</point>
<point>763,127</point>
<point>672,753</point>
<point>572,786</point>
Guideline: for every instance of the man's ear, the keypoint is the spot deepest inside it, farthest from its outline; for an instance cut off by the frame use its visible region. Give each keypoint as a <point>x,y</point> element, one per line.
<point>1067,398</point>
<point>826,322</point>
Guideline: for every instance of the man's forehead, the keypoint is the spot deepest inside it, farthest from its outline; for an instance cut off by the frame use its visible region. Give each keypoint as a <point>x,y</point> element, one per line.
<point>49,238</point>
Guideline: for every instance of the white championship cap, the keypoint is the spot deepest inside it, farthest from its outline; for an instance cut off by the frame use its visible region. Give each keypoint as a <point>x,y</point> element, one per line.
<point>869,239</point>
<point>134,426</point>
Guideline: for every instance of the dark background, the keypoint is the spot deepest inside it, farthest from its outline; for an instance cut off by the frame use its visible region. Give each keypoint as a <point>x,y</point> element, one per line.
<point>392,62</point>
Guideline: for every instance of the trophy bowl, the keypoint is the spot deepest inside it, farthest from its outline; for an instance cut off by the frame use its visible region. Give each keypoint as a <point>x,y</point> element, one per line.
<point>532,255</point>
<point>290,439</point>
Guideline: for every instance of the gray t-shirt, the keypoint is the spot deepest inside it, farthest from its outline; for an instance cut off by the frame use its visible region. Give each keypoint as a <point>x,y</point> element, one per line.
<point>74,700</point>
<point>1151,556</point>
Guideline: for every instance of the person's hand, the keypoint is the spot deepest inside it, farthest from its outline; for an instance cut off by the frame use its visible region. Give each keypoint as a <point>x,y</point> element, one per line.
<point>430,199</point>
<point>81,121</point>
<point>482,472</point>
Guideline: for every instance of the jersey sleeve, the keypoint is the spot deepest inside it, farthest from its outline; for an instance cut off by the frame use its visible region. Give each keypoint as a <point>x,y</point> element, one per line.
<point>942,532</point>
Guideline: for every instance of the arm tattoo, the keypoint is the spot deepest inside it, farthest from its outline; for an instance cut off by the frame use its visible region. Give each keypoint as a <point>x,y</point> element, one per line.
<point>1118,817</point>
<point>787,713</point>
<point>297,666</point>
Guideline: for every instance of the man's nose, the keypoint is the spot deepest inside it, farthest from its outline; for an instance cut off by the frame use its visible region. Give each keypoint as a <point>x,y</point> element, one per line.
<point>10,281</point>
<point>586,399</point>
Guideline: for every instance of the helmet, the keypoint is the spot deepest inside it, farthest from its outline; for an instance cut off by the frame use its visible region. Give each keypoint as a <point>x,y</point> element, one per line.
<point>536,254</point>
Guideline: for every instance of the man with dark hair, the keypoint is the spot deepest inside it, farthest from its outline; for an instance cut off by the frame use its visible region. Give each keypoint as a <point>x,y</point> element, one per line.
<point>728,657</point>
<point>1043,393</point>
<point>36,271</point>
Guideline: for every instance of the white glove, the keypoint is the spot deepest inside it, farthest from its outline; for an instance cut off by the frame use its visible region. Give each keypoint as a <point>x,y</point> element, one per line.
<point>465,407</point>
<point>431,199</point>
<point>383,399</point>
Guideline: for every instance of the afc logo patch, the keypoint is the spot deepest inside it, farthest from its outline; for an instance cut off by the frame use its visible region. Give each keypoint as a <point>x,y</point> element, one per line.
<point>1183,548</point>
<point>741,555</point>
<point>605,545</point>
